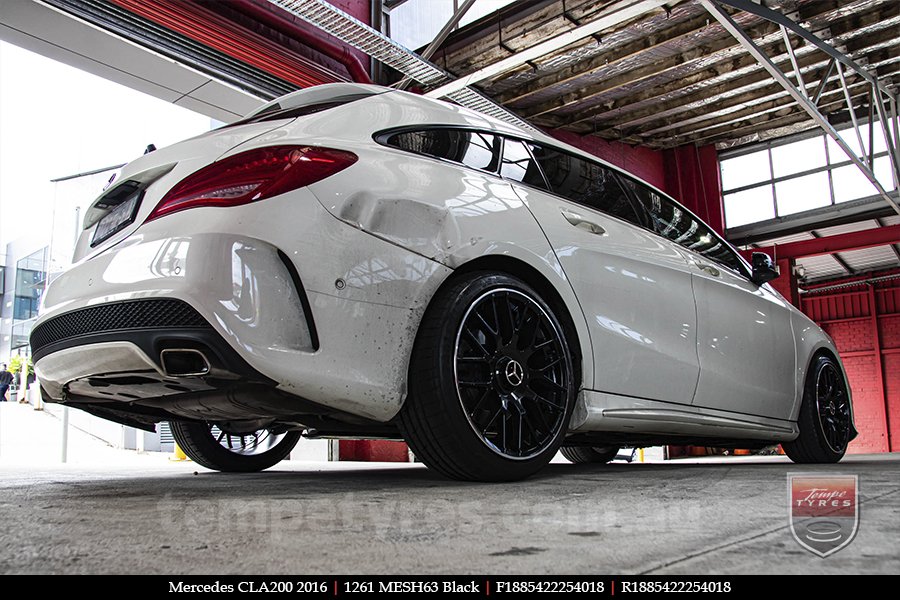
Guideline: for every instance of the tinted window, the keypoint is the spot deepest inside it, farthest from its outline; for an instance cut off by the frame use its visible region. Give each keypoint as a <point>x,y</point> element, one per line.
<point>518,165</point>
<point>671,221</point>
<point>471,148</point>
<point>585,182</point>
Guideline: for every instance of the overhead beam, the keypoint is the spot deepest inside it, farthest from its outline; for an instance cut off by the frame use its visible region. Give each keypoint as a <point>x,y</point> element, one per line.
<point>510,29</point>
<point>787,23</point>
<point>357,34</point>
<point>855,211</point>
<point>845,242</point>
<point>836,257</point>
<point>726,76</point>
<point>441,36</point>
<point>603,59</point>
<point>698,112</point>
<point>743,108</point>
<point>618,13</point>
<point>793,116</point>
<point>714,50</point>
<point>894,247</point>
<point>697,120</point>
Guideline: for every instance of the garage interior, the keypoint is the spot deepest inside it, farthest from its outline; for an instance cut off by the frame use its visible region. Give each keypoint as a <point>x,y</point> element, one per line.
<point>686,94</point>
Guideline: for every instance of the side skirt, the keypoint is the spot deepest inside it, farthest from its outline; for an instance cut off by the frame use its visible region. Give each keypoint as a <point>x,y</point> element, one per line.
<point>624,416</point>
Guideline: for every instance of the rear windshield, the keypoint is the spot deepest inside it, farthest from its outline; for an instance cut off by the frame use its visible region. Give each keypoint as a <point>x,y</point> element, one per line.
<point>277,112</point>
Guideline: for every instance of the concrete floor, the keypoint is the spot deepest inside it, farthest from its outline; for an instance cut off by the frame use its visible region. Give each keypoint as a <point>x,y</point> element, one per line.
<point>142,514</point>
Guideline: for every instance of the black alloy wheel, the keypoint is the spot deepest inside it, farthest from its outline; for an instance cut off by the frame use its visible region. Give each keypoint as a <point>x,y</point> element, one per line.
<point>492,380</point>
<point>511,373</point>
<point>214,448</point>
<point>833,407</point>
<point>825,421</point>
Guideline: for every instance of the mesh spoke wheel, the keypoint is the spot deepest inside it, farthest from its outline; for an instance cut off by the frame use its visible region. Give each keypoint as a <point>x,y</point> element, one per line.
<point>511,374</point>
<point>492,380</point>
<point>246,444</point>
<point>825,421</point>
<point>210,446</point>
<point>833,407</point>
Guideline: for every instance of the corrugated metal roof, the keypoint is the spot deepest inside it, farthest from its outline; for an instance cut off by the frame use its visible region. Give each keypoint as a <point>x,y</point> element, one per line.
<point>821,267</point>
<point>787,239</point>
<point>818,268</point>
<point>672,76</point>
<point>847,228</point>
<point>871,259</point>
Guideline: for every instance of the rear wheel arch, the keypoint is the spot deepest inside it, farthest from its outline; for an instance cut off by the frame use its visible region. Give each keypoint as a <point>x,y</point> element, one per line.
<point>578,345</point>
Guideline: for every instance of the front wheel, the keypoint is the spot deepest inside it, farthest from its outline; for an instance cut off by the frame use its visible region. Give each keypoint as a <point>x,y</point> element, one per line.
<point>491,382</point>
<point>589,454</point>
<point>826,417</point>
<point>220,450</point>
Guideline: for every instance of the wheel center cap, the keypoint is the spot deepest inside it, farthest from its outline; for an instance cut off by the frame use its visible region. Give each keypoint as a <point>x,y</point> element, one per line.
<point>514,373</point>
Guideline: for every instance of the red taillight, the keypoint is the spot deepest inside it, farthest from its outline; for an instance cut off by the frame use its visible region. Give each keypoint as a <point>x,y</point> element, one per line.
<point>253,175</point>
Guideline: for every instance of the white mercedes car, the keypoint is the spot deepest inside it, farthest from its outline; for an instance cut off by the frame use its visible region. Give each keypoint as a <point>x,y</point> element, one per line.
<point>354,261</point>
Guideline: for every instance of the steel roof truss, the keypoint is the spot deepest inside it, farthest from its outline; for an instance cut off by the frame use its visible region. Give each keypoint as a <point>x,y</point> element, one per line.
<point>877,92</point>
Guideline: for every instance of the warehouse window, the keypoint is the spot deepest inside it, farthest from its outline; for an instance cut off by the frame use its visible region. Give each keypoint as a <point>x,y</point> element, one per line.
<point>414,23</point>
<point>794,175</point>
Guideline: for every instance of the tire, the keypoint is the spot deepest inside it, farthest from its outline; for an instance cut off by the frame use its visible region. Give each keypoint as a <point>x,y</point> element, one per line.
<point>588,454</point>
<point>492,381</point>
<point>253,452</point>
<point>826,417</point>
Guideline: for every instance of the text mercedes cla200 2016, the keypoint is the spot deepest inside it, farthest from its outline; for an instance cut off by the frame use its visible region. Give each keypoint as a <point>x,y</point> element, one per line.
<point>354,261</point>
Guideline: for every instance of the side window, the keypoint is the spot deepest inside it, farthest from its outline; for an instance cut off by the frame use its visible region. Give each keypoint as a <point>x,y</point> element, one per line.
<point>517,165</point>
<point>672,222</point>
<point>471,148</point>
<point>585,182</point>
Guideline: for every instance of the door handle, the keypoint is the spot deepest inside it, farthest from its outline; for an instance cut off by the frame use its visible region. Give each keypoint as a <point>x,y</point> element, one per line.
<point>708,269</point>
<point>580,222</point>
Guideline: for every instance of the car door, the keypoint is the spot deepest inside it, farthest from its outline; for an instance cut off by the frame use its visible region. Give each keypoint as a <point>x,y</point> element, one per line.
<point>634,288</point>
<point>745,341</point>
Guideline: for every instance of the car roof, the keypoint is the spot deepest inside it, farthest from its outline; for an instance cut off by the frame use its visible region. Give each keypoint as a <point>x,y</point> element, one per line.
<point>440,113</point>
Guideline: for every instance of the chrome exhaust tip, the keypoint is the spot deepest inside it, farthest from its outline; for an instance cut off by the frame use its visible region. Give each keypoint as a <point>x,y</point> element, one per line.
<point>183,362</point>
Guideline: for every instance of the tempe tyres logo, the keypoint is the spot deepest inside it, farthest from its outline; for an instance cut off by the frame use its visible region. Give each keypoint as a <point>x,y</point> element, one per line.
<point>824,511</point>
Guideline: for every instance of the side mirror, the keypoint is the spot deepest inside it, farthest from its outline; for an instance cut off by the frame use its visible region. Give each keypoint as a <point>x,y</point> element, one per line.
<point>763,268</point>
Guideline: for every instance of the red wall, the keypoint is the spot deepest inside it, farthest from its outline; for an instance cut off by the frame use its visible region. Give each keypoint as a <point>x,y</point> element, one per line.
<point>868,339</point>
<point>692,177</point>
<point>360,9</point>
<point>373,451</point>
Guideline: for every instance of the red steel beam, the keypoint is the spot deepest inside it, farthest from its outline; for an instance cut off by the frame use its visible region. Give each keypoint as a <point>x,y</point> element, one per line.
<point>845,242</point>
<point>205,26</point>
<point>280,20</point>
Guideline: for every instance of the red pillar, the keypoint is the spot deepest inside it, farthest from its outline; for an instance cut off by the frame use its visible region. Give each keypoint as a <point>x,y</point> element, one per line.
<point>786,283</point>
<point>879,364</point>
<point>692,177</point>
<point>373,451</point>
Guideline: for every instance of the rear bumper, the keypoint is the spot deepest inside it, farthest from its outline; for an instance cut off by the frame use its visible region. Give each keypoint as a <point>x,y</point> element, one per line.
<point>125,350</point>
<point>265,293</point>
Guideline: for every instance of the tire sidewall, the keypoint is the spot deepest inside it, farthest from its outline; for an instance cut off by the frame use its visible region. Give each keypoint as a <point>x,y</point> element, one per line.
<point>812,407</point>
<point>200,445</point>
<point>446,355</point>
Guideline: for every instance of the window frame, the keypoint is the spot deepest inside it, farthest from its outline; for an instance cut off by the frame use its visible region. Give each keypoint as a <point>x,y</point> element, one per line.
<point>381,138</point>
<point>617,177</point>
<point>645,223</point>
<point>745,271</point>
